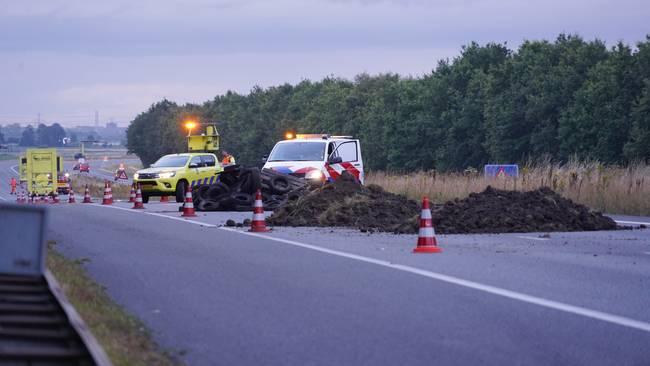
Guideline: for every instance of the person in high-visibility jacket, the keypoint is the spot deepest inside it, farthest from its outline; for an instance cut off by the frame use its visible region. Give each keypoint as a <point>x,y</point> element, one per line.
<point>227,158</point>
<point>13,185</point>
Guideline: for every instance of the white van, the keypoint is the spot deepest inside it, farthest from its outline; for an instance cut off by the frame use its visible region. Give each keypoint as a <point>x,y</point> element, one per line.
<point>317,157</point>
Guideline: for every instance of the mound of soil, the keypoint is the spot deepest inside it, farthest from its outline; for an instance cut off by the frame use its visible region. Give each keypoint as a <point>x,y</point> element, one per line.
<point>498,211</point>
<point>346,203</point>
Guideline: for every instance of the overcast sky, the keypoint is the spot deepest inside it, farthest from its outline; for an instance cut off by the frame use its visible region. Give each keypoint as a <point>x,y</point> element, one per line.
<point>65,59</point>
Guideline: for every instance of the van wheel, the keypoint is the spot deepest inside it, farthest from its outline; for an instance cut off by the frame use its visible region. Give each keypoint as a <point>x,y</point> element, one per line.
<point>180,191</point>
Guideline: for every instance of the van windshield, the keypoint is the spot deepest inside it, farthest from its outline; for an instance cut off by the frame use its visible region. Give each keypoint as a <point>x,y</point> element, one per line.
<point>298,151</point>
<point>170,161</point>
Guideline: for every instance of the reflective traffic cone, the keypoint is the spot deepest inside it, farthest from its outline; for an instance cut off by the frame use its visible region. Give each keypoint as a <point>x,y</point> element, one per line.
<point>45,199</point>
<point>71,196</point>
<point>110,191</point>
<point>87,198</point>
<point>164,199</point>
<point>55,197</point>
<point>138,199</point>
<point>427,236</point>
<point>188,206</point>
<point>132,194</point>
<point>19,197</point>
<point>107,200</point>
<point>258,224</point>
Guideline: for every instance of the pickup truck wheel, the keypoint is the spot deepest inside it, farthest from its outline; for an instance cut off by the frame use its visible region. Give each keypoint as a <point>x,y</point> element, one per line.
<point>180,191</point>
<point>145,198</point>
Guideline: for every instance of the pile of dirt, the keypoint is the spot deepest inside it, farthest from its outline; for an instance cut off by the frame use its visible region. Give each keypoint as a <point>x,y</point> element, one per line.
<point>346,203</point>
<point>498,211</point>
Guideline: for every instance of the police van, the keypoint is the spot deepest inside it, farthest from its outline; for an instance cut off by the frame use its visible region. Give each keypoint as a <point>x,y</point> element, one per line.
<point>317,157</point>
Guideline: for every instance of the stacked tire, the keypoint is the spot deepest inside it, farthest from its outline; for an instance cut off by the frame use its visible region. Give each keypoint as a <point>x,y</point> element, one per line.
<point>235,190</point>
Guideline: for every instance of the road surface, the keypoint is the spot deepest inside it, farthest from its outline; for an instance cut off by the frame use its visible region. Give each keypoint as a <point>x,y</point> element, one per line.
<point>221,296</point>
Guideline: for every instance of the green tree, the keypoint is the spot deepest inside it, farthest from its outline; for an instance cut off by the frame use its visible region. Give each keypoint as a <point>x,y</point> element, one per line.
<point>28,137</point>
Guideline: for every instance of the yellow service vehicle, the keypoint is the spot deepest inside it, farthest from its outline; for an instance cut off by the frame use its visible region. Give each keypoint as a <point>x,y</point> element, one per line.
<point>42,171</point>
<point>171,174</point>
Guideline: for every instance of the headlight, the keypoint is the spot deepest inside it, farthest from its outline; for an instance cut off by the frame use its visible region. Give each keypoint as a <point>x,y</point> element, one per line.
<point>136,175</point>
<point>166,175</point>
<point>67,175</point>
<point>314,175</point>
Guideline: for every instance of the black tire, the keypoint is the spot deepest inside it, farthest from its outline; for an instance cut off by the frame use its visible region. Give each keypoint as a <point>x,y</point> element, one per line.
<point>216,190</point>
<point>208,205</point>
<point>280,184</point>
<point>243,183</point>
<point>229,178</point>
<point>202,192</point>
<point>145,198</point>
<point>242,199</point>
<point>255,180</point>
<point>225,202</point>
<point>181,186</point>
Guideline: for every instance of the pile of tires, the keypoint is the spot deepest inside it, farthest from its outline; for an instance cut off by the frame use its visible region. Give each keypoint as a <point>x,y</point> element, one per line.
<point>235,190</point>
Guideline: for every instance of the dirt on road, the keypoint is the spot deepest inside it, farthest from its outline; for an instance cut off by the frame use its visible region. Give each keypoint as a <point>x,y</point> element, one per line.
<point>345,203</point>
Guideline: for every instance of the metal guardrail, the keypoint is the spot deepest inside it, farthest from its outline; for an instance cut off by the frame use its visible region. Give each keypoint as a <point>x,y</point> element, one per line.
<point>38,326</point>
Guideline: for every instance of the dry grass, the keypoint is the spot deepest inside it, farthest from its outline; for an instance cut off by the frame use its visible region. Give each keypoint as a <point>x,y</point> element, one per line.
<point>123,337</point>
<point>611,189</point>
<point>96,187</point>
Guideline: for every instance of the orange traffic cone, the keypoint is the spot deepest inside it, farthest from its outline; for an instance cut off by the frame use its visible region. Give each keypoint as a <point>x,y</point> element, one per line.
<point>87,198</point>
<point>108,195</point>
<point>132,194</point>
<point>188,206</point>
<point>138,199</point>
<point>71,196</point>
<point>427,236</point>
<point>55,197</point>
<point>258,224</point>
<point>45,199</point>
<point>19,197</point>
<point>164,199</point>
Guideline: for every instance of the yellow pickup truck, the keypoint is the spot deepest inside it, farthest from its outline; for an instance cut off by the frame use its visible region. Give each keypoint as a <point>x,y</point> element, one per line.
<point>171,174</point>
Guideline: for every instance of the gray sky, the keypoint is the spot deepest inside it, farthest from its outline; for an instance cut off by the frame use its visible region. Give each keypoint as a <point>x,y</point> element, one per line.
<point>68,58</point>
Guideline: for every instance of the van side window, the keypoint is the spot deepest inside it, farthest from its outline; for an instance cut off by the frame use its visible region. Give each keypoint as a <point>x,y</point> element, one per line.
<point>207,160</point>
<point>348,151</point>
<point>330,149</point>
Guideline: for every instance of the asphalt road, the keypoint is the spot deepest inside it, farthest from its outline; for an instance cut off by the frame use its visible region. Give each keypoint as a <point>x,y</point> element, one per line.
<point>220,296</point>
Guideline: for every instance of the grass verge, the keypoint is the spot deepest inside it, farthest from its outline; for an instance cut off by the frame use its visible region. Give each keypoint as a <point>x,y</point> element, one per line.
<point>123,337</point>
<point>96,187</point>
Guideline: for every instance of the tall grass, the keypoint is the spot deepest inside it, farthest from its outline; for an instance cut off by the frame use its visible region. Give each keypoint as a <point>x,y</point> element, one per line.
<point>611,189</point>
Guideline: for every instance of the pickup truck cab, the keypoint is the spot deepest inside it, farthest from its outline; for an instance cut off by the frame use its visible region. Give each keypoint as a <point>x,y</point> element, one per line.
<point>317,157</point>
<point>171,174</point>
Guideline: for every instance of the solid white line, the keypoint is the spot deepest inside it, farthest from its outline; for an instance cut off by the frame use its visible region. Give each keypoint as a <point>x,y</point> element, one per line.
<point>556,305</point>
<point>533,238</point>
<point>610,318</point>
<point>2,198</point>
<point>632,222</point>
<point>156,214</point>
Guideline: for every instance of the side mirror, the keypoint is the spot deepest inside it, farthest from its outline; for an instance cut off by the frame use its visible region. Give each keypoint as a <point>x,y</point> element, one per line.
<point>335,160</point>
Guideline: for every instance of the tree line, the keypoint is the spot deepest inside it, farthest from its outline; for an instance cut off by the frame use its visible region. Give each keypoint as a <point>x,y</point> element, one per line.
<point>561,99</point>
<point>42,135</point>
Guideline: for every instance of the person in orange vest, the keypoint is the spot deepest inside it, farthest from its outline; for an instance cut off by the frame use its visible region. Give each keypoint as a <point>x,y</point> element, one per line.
<point>13,185</point>
<point>227,158</point>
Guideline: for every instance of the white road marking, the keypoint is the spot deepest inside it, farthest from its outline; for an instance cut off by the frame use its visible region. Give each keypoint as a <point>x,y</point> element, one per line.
<point>632,222</point>
<point>14,169</point>
<point>551,304</point>
<point>533,238</point>
<point>2,198</point>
